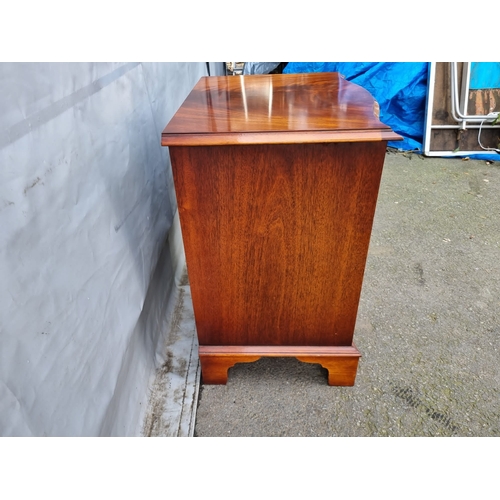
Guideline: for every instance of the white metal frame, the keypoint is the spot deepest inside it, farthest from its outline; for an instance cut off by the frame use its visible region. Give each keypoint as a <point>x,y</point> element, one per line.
<point>459,111</point>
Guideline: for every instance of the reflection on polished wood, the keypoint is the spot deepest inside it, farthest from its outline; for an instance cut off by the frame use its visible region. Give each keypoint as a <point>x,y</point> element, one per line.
<point>277,180</point>
<point>276,109</point>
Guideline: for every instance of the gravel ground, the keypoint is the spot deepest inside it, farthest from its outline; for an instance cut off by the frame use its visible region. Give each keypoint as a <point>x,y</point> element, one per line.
<point>428,324</point>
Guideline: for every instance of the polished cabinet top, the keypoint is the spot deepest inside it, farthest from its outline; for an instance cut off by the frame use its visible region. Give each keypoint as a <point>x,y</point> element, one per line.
<point>276,109</point>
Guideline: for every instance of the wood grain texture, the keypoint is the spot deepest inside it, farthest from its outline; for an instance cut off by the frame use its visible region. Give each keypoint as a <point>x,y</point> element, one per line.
<point>276,109</point>
<point>276,238</point>
<point>341,362</point>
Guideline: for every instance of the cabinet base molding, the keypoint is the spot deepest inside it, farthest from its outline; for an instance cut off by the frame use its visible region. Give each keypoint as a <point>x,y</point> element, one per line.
<point>340,361</point>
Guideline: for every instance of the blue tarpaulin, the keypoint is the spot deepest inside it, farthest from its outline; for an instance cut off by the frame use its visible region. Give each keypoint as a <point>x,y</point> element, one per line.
<point>399,88</point>
<point>485,75</point>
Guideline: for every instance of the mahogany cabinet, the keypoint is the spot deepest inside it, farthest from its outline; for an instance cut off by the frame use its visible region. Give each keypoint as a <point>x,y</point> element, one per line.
<point>277,179</point>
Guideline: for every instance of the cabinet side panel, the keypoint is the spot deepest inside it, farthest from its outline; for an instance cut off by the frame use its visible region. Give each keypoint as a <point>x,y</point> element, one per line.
<point>276,239</point>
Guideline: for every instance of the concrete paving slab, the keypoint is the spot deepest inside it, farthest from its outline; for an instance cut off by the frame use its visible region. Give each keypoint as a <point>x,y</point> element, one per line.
<point>428,323</point>
<point>174,394</point>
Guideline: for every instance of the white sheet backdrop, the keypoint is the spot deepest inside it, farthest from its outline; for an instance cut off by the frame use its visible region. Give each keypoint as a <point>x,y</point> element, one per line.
<point>86,203</point>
